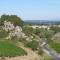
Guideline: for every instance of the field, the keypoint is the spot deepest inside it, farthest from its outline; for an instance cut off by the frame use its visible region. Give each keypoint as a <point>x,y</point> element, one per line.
<point>10,50</point>
<point>55,46</point>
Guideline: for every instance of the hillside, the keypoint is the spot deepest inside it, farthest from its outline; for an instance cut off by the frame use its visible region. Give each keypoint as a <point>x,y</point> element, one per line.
<point>21,41</point>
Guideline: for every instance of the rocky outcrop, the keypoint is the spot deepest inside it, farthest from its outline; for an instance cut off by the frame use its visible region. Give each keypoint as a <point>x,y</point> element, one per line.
<point>8,26</point>
<point>56,37</point>
<point>13,30</point>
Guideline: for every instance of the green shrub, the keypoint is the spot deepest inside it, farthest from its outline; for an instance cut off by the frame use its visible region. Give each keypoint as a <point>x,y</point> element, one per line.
<point>33,44</point>
<point>40,51</point>
<point>55,46</point>
<point>3,34</point>
<point>28,30</point>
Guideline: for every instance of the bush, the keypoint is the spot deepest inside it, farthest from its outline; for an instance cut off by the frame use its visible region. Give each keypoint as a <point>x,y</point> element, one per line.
<point>33,44</point>
<point>3,34</point>
<point>40,51</point>
<point>55,46</point>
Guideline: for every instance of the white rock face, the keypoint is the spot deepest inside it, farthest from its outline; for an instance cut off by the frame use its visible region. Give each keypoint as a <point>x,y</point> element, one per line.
<point>8,26</point>
<point>18,31</point>
<point>14,31</point>
<point>18,28</point>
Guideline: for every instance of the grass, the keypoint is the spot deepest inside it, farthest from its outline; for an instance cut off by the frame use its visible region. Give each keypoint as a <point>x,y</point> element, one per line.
<point>10,50</point>
<point>47,57</point>
<point>55,46</point>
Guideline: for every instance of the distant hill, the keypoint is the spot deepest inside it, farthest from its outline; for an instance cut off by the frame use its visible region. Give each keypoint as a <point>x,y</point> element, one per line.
<point>42,22</point>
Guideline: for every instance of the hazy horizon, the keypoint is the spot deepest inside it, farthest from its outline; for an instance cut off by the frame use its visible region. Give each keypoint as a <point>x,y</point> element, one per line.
<point>43,20</point>
<point>32,9</point>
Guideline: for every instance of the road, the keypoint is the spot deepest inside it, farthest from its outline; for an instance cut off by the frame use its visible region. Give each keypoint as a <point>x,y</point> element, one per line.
<point>51,52</point>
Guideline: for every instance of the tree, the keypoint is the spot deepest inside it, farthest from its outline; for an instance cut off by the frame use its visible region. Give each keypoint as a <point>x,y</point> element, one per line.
<point>12,18</point>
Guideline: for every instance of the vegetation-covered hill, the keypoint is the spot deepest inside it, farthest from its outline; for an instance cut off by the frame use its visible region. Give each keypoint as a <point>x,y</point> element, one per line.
<point>12,18</point>
<point>13,31</point>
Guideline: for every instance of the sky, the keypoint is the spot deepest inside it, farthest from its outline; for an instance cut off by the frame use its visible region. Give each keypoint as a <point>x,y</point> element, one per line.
<point>31,9</point>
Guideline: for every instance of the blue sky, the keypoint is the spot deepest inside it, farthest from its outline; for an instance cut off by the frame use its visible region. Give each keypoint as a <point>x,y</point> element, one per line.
<point>31,9</point>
